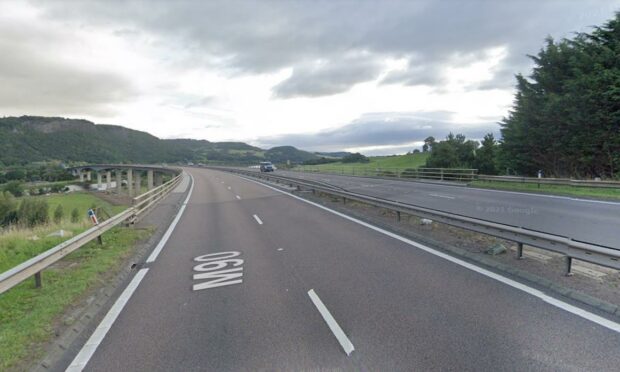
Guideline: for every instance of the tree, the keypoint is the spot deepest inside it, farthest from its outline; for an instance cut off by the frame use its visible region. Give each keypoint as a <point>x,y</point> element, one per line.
<point>33,212</point>
<point>428,144</point>
<point>355,158</point>
<point>453,152</point>
<point>486,156</point>
<point>566,118</point>
<point>58,214</point>
<point>75,215</point>
<point>8,208</point>
<point>16,188</point>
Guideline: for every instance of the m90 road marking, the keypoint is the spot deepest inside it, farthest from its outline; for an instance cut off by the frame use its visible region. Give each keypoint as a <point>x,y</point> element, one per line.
<point>218,270</point>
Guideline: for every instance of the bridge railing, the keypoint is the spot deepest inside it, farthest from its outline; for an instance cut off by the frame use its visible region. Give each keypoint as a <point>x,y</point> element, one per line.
<point>33,267</point>
<point>439,174</point>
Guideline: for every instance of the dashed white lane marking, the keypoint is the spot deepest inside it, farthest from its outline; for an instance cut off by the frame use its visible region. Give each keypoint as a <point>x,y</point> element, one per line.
<point>238,197</point>
<point>258,220</point>
<point>512,283</point>
<point>280,249</point>
<point>342,338</point>
<point>97,337</point>
<point>166,236</point>
<point>229,187</point>
<point>442,196</point>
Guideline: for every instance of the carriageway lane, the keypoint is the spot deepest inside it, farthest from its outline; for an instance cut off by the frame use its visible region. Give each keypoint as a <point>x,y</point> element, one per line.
<point>584,220</point>
<point>405,309</point>
<point>402,308</point>
<point>262,322</point>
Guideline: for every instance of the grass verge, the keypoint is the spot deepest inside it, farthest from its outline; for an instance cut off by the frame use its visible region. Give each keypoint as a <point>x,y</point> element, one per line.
<point>584,192</point>
<point>19,244</point>
<point>29,315</point>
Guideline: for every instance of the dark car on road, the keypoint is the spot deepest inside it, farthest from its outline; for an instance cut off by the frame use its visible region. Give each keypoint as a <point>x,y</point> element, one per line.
<point>266,166</point>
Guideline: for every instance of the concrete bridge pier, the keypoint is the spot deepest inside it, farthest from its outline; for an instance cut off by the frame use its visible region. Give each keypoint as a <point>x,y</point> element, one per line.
<point>149,179</point>
<point>81,176</point>
<point>130,181</point>
<point>108,178</point>
<point>98,181</point>
<point>138,183</point>
<point>88,176</point>
<point>159,179</point>
<point>119,181</point>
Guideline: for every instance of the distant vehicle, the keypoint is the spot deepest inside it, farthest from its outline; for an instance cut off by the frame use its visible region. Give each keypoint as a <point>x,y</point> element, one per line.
<point>266,166</point>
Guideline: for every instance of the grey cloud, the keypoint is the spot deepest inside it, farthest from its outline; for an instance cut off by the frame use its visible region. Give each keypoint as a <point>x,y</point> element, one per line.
<point>327,78</point>
<point>257,37</point>
<point>393,130</point>
<point>33,81</point>
<point>421,74</point>
<point>202,102</point>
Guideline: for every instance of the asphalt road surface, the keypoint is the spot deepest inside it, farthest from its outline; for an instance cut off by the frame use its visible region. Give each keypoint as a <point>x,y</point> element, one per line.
<point>590,221</point>
<point>400,307</point>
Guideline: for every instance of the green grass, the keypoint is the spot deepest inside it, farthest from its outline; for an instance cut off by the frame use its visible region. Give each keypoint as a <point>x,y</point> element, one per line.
<point>29,315</point>
<point>587,192</point>
<point>80,200</point>
<point>397,162</point>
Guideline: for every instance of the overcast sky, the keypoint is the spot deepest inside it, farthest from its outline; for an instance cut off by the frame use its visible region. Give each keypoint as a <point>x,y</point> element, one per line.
<point>370,76</point>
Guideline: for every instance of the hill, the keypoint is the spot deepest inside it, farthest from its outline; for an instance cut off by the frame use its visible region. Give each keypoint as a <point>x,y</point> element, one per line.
<point>28,139</point>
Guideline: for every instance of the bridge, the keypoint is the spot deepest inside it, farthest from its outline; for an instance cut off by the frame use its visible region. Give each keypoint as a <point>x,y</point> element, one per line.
<point>127,177</point>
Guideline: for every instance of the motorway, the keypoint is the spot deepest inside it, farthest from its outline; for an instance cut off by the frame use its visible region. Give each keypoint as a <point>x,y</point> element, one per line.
<point>590,221</point>
<point>399,306</point>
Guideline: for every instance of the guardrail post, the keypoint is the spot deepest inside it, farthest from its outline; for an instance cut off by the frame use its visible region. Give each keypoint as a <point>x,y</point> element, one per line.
<point>37,279</point>
<point>441,171</point>
<point>519,251</point>
<point>569,264</point>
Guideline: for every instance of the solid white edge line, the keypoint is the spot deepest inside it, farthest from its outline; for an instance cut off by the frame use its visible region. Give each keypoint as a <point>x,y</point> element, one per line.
<point>238,197</point>
<point>89,348</point>
<point>168,232</point>
<point>342,338</point>
<point>520,286</point>
<point>258,220</point>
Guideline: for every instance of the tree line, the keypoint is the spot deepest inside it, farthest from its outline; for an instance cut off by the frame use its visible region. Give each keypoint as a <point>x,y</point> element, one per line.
<point>31,212</point>
<point>565,120</point>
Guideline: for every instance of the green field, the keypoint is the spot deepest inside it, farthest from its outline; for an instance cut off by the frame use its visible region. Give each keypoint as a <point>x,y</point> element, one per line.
<point>577,191</point>
<point>384,162</point>
<point>80,200</point>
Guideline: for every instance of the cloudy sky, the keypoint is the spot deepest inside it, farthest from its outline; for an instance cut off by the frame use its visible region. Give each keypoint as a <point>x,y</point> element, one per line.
<point>370,76</point>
